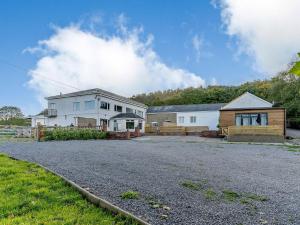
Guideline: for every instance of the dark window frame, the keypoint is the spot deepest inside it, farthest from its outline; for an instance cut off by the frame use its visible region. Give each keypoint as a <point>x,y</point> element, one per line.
<point>104,105</point>
<point>250,117</point>
<point>118,108</point>
<point>131,122</point>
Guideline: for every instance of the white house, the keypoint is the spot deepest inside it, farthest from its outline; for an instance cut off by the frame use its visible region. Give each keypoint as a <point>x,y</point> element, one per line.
<point>186,115</point>
<point>94,107</point>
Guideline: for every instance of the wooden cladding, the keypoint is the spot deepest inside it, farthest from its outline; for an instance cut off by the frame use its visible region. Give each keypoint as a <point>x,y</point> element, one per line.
<point>255,130</point>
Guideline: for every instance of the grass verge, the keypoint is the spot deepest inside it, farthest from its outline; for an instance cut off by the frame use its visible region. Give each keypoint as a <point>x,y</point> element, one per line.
<point>31,195</point>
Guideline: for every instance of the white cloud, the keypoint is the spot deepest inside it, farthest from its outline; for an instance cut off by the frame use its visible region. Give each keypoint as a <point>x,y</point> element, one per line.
<point>198,43</point>
<point>266,30</point>
<point>122,63</point>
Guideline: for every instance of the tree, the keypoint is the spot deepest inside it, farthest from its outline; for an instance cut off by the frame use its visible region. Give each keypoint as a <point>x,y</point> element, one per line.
<point>10,112</point>
<point>296,67</point>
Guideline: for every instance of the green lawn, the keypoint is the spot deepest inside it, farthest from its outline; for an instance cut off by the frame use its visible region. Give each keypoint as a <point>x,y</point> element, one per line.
<point>31,195</point>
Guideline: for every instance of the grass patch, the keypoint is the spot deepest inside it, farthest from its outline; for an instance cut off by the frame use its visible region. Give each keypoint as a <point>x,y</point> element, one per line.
<point>244,198</point>
<point>210,194</point>
<point>130,195</point>
<point>230,195</point>
<point>293,148</point>
<point>255,197</point>
<point>191,185</point>
<point>31,195</point>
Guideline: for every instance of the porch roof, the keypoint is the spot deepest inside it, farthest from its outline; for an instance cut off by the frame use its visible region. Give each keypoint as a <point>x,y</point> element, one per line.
<point>127,116</point>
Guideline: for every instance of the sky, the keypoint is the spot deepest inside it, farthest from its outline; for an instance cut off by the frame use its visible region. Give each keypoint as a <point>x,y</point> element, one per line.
<point>138,46</point>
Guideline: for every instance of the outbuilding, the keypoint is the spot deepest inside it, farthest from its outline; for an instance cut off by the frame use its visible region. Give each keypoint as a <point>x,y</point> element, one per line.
<point>250,118</point>
<point>206,115</point>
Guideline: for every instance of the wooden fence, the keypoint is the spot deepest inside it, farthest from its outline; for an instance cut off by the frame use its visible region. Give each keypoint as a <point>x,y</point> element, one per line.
<point>175,130</point>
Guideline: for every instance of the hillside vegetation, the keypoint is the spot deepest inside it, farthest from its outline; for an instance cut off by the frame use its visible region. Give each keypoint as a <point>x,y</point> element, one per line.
<point>283,90</point>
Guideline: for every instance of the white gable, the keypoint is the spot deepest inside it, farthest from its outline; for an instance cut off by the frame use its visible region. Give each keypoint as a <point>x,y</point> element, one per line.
<point>247,100</point>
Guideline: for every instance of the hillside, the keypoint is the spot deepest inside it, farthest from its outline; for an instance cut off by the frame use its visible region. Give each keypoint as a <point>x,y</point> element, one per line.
<point>283,90</point>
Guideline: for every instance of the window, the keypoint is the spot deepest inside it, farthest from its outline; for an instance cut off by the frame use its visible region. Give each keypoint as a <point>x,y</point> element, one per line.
<point>129,110</point>
<point>129,124</point>
<point>118,108</point>
<point>181,119</point>
<point>251,119</point>
<point>139,113</point>
<point>193,119</point>
<point>52,106</point>
<point>76,106</point>
<point>89,105</point>
<point>104,105</point>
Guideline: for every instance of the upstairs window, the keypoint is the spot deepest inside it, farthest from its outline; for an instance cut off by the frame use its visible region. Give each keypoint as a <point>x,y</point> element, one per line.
<point>193,119</point>
<point>118,108</point>
<point>181,119</point>
<point>52,106</point>
<point>104,105</point>
<point>129,110</point>
<point>251,119</point>
<point>88,105</point>
<point>76,106</point>
<point>140,113</point>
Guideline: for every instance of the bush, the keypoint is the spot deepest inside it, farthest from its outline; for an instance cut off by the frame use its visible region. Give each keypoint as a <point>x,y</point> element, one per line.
<point>64,134</point>
<point>294,123</point>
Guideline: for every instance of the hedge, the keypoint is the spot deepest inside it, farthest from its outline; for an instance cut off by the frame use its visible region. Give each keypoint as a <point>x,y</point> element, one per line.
<point>294,123</point>
<point>64,134</point>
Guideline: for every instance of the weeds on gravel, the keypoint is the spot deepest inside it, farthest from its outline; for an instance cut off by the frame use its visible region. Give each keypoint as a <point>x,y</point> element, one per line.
<point>293,148</point>
<point>130,195</point>
<point>210,194</point>
<point>230,195</point>
<point>244,198</point>
<point>255,197</point>
<point>154,203</point>
<point>191,185</point>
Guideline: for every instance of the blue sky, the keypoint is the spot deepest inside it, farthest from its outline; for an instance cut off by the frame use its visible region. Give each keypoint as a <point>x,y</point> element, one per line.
<point>176,27</point>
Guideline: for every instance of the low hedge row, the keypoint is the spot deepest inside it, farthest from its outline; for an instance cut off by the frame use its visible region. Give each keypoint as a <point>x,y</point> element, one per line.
<point>64,134</point>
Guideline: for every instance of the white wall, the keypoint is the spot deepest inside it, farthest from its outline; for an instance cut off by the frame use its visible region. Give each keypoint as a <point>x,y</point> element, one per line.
<point>39,119</point>
<point>203,118</point>
<point>66,115</point>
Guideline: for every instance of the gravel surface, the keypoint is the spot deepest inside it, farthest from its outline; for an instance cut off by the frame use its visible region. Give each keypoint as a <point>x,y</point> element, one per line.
<point>156,167</point>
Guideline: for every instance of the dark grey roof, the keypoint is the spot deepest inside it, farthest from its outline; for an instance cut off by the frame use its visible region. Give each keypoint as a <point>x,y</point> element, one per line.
<point>100,92</point>
<point>185,108</point>
<point>127,115</point>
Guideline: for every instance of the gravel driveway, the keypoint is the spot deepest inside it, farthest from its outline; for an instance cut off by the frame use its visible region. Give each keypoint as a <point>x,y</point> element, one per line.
<point>181,180</point>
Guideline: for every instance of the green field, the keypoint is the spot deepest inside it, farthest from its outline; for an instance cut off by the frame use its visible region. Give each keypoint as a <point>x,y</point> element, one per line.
<point>31,195</point>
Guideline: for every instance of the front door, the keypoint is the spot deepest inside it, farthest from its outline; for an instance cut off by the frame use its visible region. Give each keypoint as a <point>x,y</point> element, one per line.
<point>103,124</point>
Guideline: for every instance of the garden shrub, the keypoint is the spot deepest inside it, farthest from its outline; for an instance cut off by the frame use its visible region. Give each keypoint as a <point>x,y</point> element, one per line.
<point>64,134</point>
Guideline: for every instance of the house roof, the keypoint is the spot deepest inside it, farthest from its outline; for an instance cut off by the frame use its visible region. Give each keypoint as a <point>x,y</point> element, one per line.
<point>185,108</point>
<point>127,116</point>
<point>100,92</point>
<point>247,100</point>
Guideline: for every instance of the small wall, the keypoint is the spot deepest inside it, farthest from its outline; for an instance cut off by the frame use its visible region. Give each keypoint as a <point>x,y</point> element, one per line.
<point>175,130</point>
<point>256,138</point>
<point>255,134</point>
